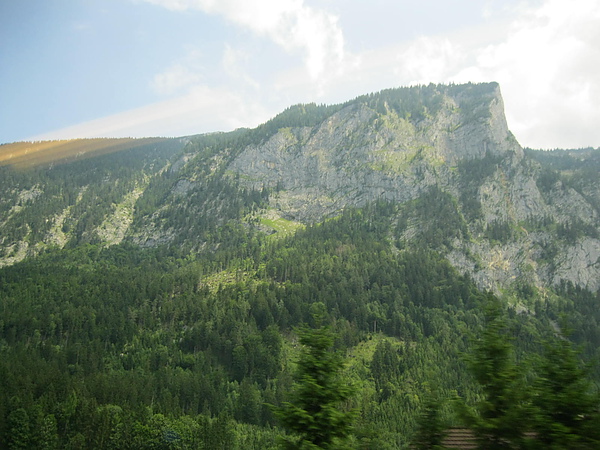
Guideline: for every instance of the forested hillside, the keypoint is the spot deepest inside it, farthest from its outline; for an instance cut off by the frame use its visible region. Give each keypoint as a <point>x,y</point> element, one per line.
<point>123,347</point>
<point>160,296</point>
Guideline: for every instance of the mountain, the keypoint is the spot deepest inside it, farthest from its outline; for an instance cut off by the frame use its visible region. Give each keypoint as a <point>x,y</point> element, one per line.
<point>156,293</point>
<point>444,154</point>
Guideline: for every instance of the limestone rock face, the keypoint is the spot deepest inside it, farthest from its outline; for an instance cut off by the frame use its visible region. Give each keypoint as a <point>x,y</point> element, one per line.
<point>363,153</point>
<point>443,154</point>
<point>359,154</point>
<point>580,264</point>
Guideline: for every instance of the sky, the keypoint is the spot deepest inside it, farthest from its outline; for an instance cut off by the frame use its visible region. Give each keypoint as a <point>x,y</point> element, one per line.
<point>134,68</point>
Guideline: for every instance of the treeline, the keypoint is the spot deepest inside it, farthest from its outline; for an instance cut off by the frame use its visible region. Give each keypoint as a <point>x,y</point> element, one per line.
<point>419,102</point>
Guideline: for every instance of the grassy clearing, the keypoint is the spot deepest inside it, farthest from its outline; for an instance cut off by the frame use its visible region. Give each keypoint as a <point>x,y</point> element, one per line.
<point>361,355</point>
<point>282,227</point>
<point>227,277</point>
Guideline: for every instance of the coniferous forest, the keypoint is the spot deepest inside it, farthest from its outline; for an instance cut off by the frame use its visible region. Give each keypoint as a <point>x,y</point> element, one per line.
<point>124,347</point>
<point>151,298</point>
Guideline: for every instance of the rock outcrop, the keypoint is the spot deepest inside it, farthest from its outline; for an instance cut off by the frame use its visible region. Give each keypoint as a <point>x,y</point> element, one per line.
<point>364,153</point>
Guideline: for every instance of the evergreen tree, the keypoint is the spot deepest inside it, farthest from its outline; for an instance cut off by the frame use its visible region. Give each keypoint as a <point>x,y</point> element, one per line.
<point>19,435</point>
<point>566,407</point>
<point>48,433</point>
<point>431,428</point>
<point>501,417</point>
<point>315,413</point>
<point>385,369</point>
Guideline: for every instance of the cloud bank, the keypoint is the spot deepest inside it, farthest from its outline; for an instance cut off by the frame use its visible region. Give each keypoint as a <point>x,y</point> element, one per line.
<point>547,67</point>
<point>547,62</point>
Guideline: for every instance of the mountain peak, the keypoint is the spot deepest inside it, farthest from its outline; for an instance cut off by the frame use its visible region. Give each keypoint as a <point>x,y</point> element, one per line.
<point>392,144</point>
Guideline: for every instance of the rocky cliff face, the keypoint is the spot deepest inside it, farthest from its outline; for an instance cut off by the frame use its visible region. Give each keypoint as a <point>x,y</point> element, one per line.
<point>359,154</point>
<point>443,154</point>
<point>463,147</point>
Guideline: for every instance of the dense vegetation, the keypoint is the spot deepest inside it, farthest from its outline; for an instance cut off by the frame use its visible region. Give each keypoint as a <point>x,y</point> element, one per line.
<point>88,188</point>
<point>201,330</point>
<point>122,347</point>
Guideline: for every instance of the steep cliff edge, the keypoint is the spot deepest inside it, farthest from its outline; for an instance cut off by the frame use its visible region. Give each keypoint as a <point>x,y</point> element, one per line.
<point>378,148</point>
<point>454,139</point>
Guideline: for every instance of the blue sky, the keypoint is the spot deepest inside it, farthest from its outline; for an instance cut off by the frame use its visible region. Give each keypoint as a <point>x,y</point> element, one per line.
<point>86,68</point>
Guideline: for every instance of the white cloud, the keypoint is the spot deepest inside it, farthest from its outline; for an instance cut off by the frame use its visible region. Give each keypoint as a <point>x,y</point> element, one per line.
<point>290,24</point>
<point>181,76</point>
<point>546,58</point>
<point>428,59</point>
<point>548,66</point>
<point>232,63</point>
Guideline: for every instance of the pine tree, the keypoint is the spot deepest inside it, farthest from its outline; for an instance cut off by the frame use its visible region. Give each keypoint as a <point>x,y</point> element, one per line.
<point>565,404</point>
<point>431,427</point>
<point>19,430</point>
<point>315,414</point>
<point>501,417</point>
<point>48,433</point>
